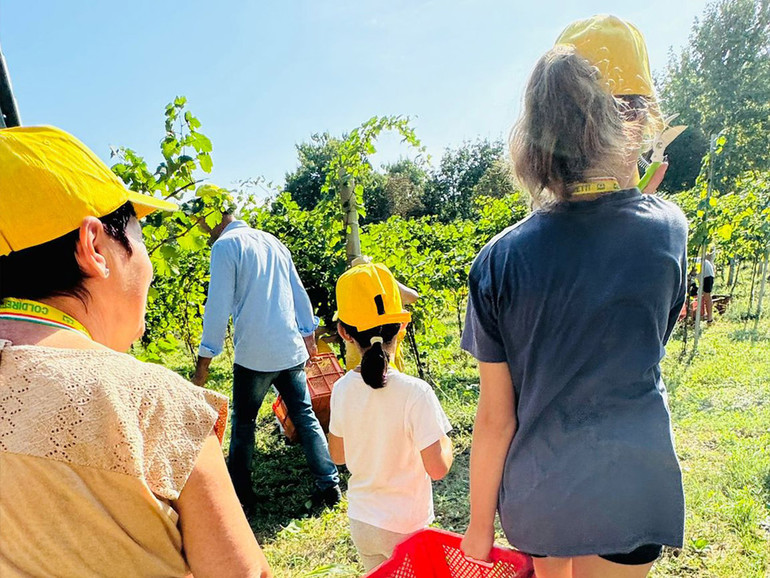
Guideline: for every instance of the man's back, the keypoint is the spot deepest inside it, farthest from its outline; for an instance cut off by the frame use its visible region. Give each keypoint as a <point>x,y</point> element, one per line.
<point>254,280</point>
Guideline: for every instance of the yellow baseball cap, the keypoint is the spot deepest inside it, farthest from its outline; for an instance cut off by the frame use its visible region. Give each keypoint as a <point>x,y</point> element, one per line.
<point>617,49</point>
<point>368,296</point>
<point>50,181</point>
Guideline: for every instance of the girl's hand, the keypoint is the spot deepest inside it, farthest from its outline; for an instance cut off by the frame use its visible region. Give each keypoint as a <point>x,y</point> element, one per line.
<point>477,543</point>
<point>656,179</point>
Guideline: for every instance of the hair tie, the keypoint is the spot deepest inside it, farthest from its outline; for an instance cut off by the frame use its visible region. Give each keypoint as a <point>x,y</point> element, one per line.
<point>375,339</point>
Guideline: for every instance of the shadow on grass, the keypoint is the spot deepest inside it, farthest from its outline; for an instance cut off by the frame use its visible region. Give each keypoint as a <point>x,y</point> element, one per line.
<point>282,482</point>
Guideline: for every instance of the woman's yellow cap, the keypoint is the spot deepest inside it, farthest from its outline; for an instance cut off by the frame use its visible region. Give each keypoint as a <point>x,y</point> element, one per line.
<point>617,49</point>
<point>368,296</point>
<point>50,181</point>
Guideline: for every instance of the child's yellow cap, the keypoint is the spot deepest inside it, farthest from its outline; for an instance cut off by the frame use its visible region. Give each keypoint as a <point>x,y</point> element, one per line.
<point>368,296</point>
<point>50,181</point>
<point>617,49</point>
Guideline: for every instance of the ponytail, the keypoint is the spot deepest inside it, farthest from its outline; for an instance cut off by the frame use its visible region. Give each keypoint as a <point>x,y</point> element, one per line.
<point>375,360</point>
<point>374,364</point>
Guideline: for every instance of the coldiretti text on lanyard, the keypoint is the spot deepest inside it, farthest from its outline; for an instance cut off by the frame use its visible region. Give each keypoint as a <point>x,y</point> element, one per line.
<point>41,313</point>
<point>595,187</point>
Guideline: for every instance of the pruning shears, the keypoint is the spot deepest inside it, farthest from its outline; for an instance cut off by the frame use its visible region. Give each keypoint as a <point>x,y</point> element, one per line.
<point>659,144</point>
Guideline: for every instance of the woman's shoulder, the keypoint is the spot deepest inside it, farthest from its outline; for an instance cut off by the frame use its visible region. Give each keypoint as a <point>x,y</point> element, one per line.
<point>167,390</point>
<point>126,415</point>
<point>63,364</point>
<point>105,369</point>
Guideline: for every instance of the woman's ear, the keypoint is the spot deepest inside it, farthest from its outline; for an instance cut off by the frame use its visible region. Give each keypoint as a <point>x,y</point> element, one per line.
<point>90,249</point>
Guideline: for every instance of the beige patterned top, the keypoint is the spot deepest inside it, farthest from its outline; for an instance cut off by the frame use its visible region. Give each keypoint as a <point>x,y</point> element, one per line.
<point>94,448</point>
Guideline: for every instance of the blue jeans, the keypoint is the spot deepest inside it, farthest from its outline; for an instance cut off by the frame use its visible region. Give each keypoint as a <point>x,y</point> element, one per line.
<point>249,389</point>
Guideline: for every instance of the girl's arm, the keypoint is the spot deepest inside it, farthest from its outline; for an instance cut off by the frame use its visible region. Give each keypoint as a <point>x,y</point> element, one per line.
<point>217,538</point>
<point>493,431</point>
<point>437,458</point>
<point>336,449</point>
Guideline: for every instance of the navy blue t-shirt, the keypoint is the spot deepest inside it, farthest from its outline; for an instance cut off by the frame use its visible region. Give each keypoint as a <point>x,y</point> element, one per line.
<point>580,300</point>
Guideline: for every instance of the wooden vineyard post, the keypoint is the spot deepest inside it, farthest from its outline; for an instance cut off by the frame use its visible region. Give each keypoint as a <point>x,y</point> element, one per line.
<point>350,217</point>
<point>696,331</point>
<point>762,288</point>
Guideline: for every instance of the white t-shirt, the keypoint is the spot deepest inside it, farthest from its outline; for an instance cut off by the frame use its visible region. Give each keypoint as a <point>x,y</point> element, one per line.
<point>384,430</point>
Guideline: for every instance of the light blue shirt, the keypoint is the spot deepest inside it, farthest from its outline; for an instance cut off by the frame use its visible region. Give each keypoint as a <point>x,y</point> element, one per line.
<point>253,279</point>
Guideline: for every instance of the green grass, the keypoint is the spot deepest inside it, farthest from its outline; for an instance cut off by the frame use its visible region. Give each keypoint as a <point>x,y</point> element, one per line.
<point>720,403</point>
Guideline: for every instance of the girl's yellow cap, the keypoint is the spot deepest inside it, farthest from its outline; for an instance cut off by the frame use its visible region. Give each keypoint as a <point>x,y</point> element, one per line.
<point>50,181</point>
<point>368,296</point>
<point>617,49</point>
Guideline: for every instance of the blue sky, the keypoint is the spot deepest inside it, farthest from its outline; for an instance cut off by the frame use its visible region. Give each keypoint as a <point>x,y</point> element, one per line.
<point>262,76</point>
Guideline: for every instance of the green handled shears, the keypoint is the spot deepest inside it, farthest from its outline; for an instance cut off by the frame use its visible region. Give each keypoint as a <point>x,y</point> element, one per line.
<point>659,144</point>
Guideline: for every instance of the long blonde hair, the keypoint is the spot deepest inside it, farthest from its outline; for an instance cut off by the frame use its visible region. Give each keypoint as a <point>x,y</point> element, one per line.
<point>569,126</point>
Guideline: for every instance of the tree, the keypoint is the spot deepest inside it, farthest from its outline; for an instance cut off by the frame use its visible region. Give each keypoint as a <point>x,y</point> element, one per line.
<point>376,204</point>
<point>685,155</point>
<point>305,183</point>
<point>404,195</point>
<point>496,182</point>
<point>398,191</point>
<point>451,189</point>
<point>720,83</point>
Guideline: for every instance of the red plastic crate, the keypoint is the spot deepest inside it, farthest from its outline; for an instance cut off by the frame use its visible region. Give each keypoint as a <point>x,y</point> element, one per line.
<point>433,553</point>
<point>282,415</point>
<point>322,373</point>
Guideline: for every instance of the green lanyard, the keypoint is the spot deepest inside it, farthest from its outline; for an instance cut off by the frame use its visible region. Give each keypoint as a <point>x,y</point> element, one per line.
<point>36,312</point>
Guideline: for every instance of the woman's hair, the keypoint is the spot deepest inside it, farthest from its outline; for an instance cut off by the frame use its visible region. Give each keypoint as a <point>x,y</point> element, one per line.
<point>570,124</point>
<point>374,363</point>
<point>51,268</point>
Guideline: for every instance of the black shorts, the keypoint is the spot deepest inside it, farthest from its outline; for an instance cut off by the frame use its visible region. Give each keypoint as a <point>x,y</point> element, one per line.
<point>708,284</point>
<point>642,555</point>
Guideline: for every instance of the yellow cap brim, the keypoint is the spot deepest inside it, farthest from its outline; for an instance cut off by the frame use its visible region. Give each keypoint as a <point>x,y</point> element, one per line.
<point>145,204</point>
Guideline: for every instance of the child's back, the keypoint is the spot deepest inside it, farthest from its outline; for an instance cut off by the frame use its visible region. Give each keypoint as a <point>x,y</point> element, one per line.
<point>384,431</point>
<point>388,428</point>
